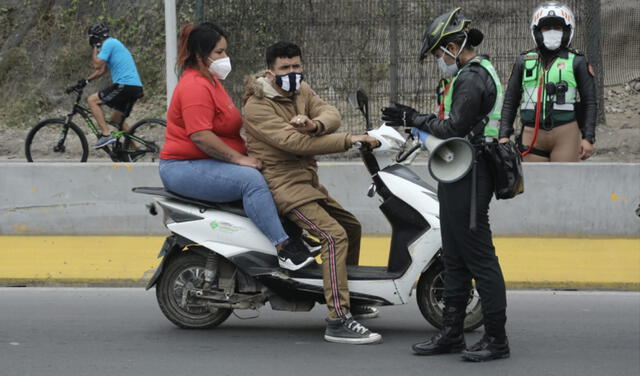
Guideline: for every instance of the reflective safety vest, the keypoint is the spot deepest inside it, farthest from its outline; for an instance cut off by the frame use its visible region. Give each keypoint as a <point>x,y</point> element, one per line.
<point>493,119</point>
<point>560,70</point>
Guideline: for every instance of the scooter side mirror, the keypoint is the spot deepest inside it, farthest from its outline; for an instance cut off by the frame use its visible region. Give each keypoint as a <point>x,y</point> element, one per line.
<point>360,100</point>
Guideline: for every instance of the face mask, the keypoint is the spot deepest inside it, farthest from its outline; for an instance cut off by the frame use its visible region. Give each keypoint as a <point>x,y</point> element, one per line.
<point>289,82</point>
<point>446,68</point>
<point>552,39</point>
<point>450,69</point>
<point>220,68</point>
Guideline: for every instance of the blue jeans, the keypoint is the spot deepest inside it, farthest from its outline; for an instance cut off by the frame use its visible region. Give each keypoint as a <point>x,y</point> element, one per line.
<point>217,181</point>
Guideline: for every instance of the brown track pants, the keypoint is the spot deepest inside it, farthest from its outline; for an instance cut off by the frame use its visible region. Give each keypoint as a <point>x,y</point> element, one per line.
<point>339,232</point>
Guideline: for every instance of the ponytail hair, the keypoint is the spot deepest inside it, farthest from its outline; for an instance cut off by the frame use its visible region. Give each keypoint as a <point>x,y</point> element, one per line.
<point>196,43</point>
<point>473,36</point>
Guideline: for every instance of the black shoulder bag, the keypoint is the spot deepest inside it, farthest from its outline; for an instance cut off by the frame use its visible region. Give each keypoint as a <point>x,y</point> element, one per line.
<point>506,165</point>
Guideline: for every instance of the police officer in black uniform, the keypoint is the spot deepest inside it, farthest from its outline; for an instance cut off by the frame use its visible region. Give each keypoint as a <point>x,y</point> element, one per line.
<point>471,108</point>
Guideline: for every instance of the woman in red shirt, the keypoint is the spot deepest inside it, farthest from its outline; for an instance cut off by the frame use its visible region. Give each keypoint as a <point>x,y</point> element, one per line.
<point>203,156</point>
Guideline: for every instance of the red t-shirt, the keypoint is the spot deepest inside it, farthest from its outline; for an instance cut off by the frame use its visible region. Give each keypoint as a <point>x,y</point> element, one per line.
<point>198,105</point>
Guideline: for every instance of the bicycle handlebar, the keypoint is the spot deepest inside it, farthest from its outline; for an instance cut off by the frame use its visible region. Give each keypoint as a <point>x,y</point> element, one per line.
<point>73,88</point>
<point>78,87</point>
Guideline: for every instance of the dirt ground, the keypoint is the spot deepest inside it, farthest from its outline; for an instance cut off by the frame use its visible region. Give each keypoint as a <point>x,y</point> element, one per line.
<point>617,141</point>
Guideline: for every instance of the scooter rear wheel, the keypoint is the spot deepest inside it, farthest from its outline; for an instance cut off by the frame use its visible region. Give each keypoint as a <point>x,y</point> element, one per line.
<point>430,297</point>
<point>185,272</point>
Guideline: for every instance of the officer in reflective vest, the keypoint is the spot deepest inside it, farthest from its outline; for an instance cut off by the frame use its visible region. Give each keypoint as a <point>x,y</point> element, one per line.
<point>470,108</point>
<point>555,90</point>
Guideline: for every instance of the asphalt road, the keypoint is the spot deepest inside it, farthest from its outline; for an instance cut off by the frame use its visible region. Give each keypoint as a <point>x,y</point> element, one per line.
<point>121,331</point>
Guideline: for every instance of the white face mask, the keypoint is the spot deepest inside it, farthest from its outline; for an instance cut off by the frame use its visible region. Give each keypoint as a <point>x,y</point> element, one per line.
<point>220,68</point>
<point>552,39</point>
<point>448,69</point>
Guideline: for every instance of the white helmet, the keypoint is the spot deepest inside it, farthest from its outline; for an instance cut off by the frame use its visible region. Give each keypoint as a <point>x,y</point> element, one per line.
<point>553,13</point>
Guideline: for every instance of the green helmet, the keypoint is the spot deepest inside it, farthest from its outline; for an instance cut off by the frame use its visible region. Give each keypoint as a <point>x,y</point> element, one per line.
<point>444,25</point>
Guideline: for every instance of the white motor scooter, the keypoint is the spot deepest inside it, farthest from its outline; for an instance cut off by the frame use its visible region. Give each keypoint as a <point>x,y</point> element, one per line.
<point>216,260</point>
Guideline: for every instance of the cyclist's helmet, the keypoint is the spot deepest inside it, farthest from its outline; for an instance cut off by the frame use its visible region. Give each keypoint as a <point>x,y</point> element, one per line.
<point>553,14</point>
<point>97,33</point>
<point>442,26</point>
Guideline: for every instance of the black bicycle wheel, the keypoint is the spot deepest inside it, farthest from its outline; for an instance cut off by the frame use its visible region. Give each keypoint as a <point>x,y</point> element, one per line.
<point>55,140</point>
<point>144,140</point>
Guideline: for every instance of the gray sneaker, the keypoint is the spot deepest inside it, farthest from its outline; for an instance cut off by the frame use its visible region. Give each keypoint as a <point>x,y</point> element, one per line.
<point>363,312</point>
<point>347,330</point>
<point>104,141</point>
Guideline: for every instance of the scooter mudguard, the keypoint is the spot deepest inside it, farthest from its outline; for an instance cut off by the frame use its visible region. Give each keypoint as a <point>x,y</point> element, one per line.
<point>172,244</point>
<point>167,247</point>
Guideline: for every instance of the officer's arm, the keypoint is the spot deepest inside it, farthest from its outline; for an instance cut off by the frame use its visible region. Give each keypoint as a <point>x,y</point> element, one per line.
<point>588,97</point>
<point>512,97</point>
<point>468,90</point>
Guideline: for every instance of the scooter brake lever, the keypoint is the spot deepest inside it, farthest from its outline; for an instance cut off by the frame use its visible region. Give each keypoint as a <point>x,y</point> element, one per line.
<point>372,190</point>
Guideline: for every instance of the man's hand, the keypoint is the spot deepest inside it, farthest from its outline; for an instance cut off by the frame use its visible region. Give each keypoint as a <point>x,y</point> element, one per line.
<point>363,138</point>
<point>303,124</point>
<point>399,115</point>
<point>503,140</point>
<point>586,149</point>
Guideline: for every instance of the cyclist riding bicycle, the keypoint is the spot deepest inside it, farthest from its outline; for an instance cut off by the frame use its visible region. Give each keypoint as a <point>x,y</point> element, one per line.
<point>110,55</point>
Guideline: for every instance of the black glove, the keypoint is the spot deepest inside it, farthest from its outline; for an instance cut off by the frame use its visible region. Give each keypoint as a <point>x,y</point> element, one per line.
<point>399,116</point>
<point>82,83</point>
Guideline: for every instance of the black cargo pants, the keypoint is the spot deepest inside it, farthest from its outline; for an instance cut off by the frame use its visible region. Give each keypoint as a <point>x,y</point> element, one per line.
<point>470,254</point>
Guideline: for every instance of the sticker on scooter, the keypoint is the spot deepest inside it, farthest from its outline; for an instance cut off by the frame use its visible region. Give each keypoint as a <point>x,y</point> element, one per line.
<point>223,226</point>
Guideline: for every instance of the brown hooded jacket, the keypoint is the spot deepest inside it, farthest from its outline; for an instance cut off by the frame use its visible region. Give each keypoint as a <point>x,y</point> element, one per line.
<point>287,155</point>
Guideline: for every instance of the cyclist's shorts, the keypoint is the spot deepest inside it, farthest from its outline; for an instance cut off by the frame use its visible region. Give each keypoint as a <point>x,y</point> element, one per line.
<point>121,97</point>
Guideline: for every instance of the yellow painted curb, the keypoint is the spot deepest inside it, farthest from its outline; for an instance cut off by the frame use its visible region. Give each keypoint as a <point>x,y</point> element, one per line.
<point>527,262</point>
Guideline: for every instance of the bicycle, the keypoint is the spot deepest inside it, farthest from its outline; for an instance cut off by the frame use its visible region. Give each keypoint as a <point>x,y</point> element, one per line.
<point>60,139</point>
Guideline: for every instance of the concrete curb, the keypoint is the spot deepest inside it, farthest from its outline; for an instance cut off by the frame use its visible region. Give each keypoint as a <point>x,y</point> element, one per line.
<point>122,261</point>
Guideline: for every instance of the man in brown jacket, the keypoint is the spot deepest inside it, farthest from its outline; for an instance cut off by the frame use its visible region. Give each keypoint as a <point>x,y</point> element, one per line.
<point>287,125</point>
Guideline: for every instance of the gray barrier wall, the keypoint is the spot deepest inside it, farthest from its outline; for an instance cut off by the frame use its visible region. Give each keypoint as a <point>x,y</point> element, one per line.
<point>96,198</point>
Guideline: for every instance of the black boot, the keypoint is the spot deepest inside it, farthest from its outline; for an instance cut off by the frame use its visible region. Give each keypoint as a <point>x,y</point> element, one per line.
<point>494,343</point>
<point>451,337</point>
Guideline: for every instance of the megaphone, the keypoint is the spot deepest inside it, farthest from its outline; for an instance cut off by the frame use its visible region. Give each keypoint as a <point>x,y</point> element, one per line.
<point>449,160</point>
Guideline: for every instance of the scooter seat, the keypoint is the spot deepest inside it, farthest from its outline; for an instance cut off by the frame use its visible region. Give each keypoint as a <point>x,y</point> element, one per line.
<point>234,207</point>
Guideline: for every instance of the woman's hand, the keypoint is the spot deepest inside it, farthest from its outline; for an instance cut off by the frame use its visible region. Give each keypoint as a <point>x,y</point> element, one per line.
<point>503,140</point>
<point>586,149</point>
<point>248,161</point>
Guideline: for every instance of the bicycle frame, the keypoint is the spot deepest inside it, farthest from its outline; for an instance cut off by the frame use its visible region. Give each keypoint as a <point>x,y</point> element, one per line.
<point>115,152</point>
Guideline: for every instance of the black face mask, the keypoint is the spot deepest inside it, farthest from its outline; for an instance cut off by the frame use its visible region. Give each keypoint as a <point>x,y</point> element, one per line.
<point>289,82</point>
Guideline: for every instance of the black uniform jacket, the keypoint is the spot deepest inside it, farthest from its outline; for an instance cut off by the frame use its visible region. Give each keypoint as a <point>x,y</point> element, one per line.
<point>474,95</point>
<point>586,88</point>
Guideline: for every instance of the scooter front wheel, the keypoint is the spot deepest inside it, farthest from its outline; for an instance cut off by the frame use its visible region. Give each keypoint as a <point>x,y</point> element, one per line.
<point>430,297</point>
<point>183,274</point>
